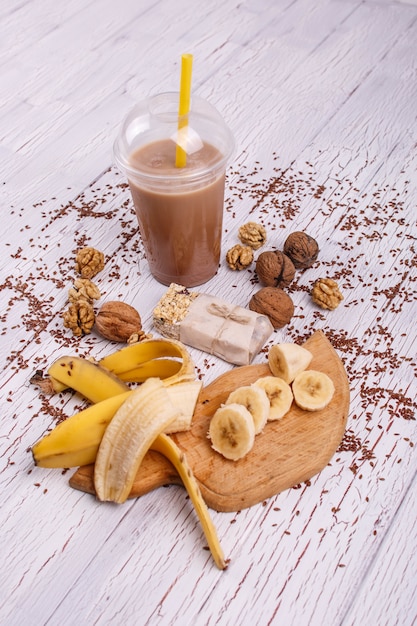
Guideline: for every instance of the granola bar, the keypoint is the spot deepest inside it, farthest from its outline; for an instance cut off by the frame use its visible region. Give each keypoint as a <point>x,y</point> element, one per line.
<point>211,324</point>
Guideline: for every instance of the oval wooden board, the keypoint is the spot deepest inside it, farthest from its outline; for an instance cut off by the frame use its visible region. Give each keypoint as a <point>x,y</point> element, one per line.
<point>286,453</point>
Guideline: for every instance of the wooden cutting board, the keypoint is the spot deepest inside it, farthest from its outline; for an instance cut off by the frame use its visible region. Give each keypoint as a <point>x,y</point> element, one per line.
<point>287,452</point>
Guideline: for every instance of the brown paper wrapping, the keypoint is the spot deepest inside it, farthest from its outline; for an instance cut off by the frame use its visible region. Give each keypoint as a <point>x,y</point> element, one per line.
<point>230,332</point>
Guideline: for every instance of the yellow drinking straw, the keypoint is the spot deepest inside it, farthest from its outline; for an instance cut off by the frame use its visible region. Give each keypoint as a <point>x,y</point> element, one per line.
<point>184,105</point>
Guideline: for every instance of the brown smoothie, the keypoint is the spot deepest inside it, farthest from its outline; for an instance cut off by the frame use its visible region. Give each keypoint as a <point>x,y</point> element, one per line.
<point>181,230</point>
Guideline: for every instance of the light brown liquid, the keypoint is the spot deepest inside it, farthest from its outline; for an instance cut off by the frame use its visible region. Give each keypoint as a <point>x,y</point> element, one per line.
<point>180,230</point>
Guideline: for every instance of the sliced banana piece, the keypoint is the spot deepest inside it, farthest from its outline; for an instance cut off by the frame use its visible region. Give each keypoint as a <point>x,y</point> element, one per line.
<point>232,431</point>
<point>279,396</point>
<point>286,360</point>
<point>255,400</point>
<point>312,390</point>
<point>145,414</point>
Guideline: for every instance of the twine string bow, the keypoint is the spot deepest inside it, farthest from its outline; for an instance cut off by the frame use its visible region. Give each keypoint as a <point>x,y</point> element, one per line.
<point>222,310</point>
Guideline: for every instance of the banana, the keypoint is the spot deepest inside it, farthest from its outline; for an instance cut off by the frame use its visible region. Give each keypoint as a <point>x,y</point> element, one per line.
<point>166,369</point>
<point>75,441</point>
<point>286,360</point>
<point>232,431</point>
<point>279,395</point>
<point>184,396</point>
<point>87,377</point>
<point>142,417</point>
<point>255,400</point>
<point>131,363</point>
<point>164,445</point>
<point>134,363</point>
<point>312,390</point>
<point>137,427</point>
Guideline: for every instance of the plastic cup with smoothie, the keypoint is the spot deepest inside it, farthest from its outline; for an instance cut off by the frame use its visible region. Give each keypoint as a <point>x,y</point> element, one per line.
<point>179,209</point>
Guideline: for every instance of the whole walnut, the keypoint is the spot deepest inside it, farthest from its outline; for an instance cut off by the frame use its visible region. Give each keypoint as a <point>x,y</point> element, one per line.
<point>117,321</point>
<point>275,269</point>
<point>302,249</point>
<point>275,304</point>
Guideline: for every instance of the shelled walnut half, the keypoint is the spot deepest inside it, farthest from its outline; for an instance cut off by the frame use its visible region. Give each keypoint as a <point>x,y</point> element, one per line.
<point>89,262</point>
<point>79,317</point>
<point>253,235</point>
<point>326,293</point>
<point>239,257</point>
<point>84,289</point>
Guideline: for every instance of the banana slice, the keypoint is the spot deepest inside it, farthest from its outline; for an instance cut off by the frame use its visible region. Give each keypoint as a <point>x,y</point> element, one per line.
<point>279,395</point>
<point>145,414</point>
<point>286,360</point>
<point>255,400</point>
<point>312,390</point>
<point>232,431</point>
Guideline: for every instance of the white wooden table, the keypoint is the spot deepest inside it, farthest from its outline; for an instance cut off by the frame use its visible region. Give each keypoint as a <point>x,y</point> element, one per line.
<point>322,99</point>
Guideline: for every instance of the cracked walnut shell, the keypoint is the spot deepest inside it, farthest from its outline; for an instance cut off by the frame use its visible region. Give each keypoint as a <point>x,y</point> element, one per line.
<point>239,257</point>
<point>79,317</point>
<point>302,249</point>
<point>253,235</point>
<point>326,293</point>
<point>275,269</point>
<point>89,262</point>
<point>275,304</point>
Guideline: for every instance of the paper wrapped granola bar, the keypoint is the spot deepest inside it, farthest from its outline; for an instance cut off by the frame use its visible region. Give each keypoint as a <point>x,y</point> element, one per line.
<point>211,324</point>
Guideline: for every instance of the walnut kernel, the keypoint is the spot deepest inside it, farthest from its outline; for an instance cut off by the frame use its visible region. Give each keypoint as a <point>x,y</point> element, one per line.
<point>139,336</point>
<point>117,321</point>
<point>239,257</point>
<point>302,249</point>
<point>275,269</point>
<point>275,304</point>
<point>84,289</point>
<point>79,317</point>
<point>89,262</point>
<point>326,293</point>
<point>253,235</point>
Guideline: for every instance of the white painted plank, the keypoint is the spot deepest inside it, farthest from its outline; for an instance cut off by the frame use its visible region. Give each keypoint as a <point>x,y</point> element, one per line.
<point>336,81</point>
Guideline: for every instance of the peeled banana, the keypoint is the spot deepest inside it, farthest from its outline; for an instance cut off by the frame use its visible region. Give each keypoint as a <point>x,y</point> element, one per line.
<point>232,431</point>
<point>279,396</point>
<point>141,418</point>
<point>184,396</point>
<point>286,360</point>
<point>75,441</point>
<point>256,402</point>
<point>137,427</point>
<point>312,390</point>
